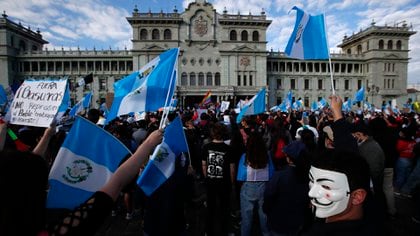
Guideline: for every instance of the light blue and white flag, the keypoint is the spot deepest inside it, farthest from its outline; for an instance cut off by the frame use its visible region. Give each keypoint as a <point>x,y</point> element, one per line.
<point>161,165</point>
<point>3,96</point>
<point>309,38</point>
<point>246,173</point>
<point>85,162</point>
<point>255,106</point>
<point>289,99</point>
<point>81,105</point>
<point>314,106</point>
<point>347,105</point>
<point>148,89</point>
<point>65,103</point>
<point>298,104</point>
<point>360,95</point>
<point>322,103</point>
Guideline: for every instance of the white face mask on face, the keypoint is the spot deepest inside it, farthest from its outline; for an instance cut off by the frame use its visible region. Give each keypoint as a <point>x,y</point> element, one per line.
<point>329,192</point>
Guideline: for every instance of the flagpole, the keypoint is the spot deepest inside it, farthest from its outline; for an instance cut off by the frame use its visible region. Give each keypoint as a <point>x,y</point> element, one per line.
<point>329,55</point>
<point>166,111</point>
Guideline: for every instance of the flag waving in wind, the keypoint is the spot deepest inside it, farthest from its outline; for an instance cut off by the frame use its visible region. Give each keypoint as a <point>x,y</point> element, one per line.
<point>309,38</point>
<point>148,89</point>
<point>360,95</point>
<point>162,163</point>
<point>85,162</point>
<point>81,105</point>
<point>255,106</point>
<point>206,99</point>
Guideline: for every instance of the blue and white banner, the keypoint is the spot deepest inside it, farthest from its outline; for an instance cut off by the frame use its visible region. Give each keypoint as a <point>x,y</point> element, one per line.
<point>85,162</point>
<point>255,106</point>
<point>309,38</point>
<point>148,89</point>
<point>162,163</point>
<point>81,105</point>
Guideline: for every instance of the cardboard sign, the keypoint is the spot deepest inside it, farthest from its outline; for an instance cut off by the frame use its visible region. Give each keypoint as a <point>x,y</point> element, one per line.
<point>36,102</point>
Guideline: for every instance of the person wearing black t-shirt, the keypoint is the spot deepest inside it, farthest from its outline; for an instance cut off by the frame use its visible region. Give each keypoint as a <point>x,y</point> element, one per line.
<point>219,171</point>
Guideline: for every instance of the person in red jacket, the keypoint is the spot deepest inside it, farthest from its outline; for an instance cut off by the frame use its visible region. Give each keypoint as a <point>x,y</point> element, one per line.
<point>404,164</point>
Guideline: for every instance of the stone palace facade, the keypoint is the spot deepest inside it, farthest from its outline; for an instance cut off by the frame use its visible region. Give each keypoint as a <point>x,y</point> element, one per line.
<point>219,52</point>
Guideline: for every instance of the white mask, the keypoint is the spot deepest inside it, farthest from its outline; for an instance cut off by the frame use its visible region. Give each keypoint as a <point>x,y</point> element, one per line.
<point>329,192</point>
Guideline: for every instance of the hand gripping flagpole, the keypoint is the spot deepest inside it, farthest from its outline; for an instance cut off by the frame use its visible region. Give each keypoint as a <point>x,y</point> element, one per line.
<point>169,99</point>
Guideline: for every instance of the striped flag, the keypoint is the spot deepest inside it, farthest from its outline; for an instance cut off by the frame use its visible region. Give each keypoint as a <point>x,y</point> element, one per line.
<point>85,162</point>
<point>206,100</point>
<point>309,38</point>
<point>255,106</point>
<point>161,165</point>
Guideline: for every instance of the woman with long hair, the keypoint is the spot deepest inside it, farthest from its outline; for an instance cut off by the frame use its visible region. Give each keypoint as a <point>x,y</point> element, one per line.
<point>254,169</point>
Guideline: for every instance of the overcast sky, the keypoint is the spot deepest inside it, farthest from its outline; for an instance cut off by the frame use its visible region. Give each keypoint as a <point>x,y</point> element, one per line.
<point>102,23</point>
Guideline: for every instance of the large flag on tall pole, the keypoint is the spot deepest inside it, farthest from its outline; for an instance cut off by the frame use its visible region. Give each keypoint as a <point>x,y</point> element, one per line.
<point>309,38</point>
<point>255,106</point>
<point>147,89</point>
<point>87,159</point>
<point>161,165</point>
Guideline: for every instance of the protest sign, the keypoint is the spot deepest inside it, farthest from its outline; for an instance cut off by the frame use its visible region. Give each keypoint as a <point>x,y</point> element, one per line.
<point>36,102</point>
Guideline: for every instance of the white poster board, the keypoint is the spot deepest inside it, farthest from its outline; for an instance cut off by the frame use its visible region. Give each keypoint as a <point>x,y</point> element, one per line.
<point>224,106</point>
<point>36,102</point>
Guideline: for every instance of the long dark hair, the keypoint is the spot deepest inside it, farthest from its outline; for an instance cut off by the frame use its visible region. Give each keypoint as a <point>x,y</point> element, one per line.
<point>256,153</point>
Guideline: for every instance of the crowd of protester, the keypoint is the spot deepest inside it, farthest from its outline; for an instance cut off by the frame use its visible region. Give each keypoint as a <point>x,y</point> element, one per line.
<point>300,172</point>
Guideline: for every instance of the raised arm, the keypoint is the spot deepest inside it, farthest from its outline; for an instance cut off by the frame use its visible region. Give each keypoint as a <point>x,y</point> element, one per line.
<point>127,171</point>
<point>42,145</point>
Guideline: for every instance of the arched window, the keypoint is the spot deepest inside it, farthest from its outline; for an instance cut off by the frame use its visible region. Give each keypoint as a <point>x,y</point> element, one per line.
<point>192,79</point>
<point>167,34</point>
<point>359,49</point>
<point>232,35</point>
<point>390,45</point>
<point>209,79</point>
<point>399,46</point>
<point>201,79</point>
<point>217,79</point>
<point>155,34</point>
<point>381,44</point>
<point>349,51</point>
<point>143,34</point>
<point>184,79</point>
<point>255,36</point>
<point>244,35</point>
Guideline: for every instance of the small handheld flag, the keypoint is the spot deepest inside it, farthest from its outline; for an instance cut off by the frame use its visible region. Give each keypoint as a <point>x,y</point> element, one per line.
<point>161,165</point>
<point>255,106</point>
<point>87,159</point>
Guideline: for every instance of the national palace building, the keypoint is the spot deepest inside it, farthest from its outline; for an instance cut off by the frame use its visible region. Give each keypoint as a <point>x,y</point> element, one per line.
<point>219,52</point>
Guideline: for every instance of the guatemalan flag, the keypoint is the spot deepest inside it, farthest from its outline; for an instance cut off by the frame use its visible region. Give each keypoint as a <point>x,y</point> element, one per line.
<point>162,163</point>
<point>81,105</point>
<point>85,162</point>
<point>360,95</point>
<point>309,38</point>
<point>246,173</point>
<point>148,89</point>
<point>255,106</point>
<point>65,103</point>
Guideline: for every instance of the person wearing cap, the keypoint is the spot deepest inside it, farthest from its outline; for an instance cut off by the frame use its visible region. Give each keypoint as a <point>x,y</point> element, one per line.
<point>328,137</point>
<point>284,215</point>
<point>372,152</point>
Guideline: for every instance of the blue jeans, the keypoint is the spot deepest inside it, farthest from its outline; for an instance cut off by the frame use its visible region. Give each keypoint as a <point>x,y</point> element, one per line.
<point>252,196</point>
<point>402,170</point>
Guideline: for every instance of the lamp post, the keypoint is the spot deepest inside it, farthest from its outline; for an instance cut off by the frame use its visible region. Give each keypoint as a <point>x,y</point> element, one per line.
<point>373,90</point>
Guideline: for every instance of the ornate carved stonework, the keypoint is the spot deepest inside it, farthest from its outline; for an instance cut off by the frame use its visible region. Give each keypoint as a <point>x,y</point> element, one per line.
<point>200,26</point>
<point>245,61</point>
